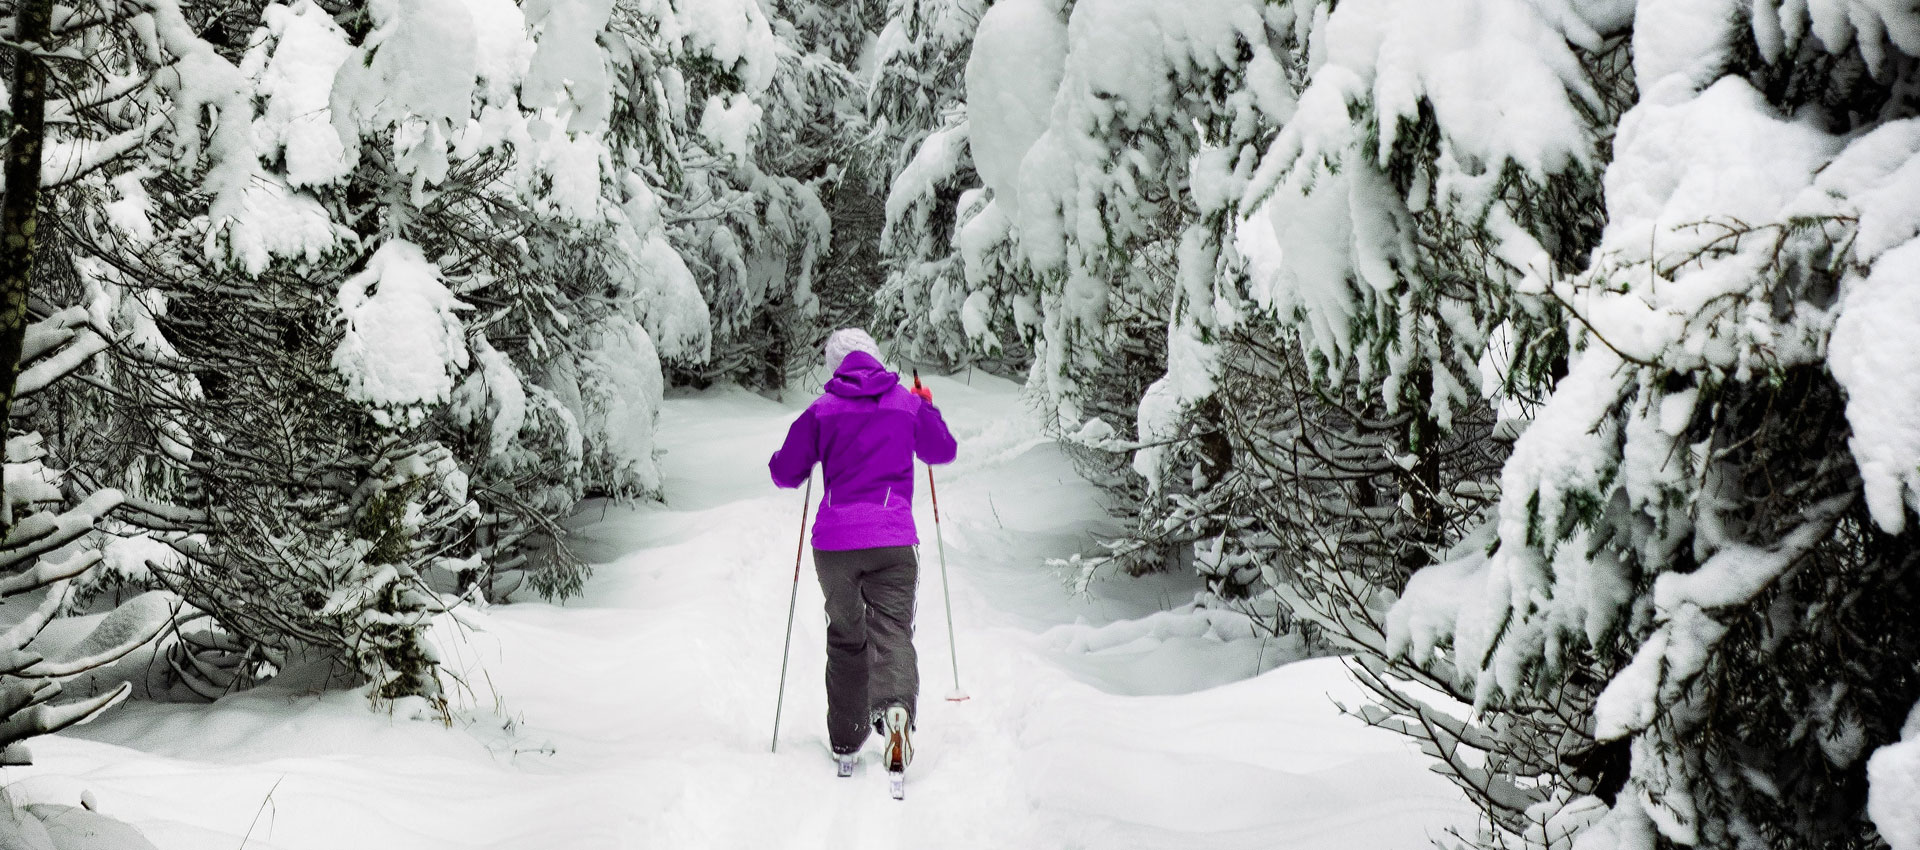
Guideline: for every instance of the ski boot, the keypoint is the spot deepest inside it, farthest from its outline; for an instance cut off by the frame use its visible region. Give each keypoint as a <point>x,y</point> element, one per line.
<point>899,749</point>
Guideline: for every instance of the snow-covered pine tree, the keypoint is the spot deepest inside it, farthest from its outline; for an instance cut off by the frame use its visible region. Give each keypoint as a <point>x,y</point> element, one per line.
<point>465,170</point>
<point>405,295</point>
<point>822,132</point>
<point>1392,225</point>
<point>46,560</point>
<point>1633,233</point>
<point>1388,237</point>
<point>42,515</point>
<point>918,98</point>
<point>1104,181</point>
<point>1701,550</point>
<point>774,134</point>
<point>1416,246</point>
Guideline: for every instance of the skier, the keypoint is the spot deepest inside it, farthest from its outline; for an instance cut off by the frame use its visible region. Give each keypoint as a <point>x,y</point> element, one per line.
<point>865,432</point>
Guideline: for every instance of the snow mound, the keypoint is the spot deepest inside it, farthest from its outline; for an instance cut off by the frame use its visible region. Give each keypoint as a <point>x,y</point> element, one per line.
<point>46,826</point>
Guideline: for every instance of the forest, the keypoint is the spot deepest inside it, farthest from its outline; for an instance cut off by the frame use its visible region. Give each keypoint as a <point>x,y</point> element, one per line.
<point>1541,360</point>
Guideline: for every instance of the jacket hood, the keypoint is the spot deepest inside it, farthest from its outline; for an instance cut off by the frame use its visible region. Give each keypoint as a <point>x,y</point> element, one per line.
<point>861,376</point>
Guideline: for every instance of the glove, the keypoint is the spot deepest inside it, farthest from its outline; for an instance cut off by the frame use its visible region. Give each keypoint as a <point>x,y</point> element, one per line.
<point>922,391</point>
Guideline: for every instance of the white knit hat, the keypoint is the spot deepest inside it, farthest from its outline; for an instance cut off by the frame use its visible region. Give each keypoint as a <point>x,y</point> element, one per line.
<point>846,341</point>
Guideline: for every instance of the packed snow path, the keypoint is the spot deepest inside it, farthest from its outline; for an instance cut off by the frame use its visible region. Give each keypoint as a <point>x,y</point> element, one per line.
<point>638,715</point>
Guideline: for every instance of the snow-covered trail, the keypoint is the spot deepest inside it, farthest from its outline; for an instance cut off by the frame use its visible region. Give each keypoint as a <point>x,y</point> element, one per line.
<point>638,716</point>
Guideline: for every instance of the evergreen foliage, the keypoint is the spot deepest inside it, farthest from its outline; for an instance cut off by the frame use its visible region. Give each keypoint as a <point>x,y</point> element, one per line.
<point>1537,354</point>
<point>372,295</point>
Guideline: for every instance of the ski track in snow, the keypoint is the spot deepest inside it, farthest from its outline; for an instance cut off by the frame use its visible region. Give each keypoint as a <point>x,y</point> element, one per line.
<point>638,715</point>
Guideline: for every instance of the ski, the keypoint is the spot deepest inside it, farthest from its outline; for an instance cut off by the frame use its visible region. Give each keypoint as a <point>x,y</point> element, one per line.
<point>845,763</point>
<point>897,784</point>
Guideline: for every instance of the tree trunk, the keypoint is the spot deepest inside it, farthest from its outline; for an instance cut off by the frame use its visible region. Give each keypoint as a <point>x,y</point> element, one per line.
<point>1422,482</point>
<point>32,24</point>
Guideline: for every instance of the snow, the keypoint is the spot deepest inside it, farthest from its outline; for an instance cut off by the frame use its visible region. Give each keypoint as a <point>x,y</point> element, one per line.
<point>1568,449</point>
<point>1019,53</point>
<point>1873,352</point>
<point>1507,93</point>
<point>500,38</point>
<point>1893,796</point>
<point>273,221</point>
<point>1500,75</point>
<point>734,33</point>
<point>28,447</point>
<point>32,483</point>
<point>1874,178</point>
<point>199,80</point>
<point>729,121</point>
<point>638,715</point>
<point>1131,67</point>
<point>977,239</point>
<point>1687,633</point>
<point>568,69</point>
<point>132,623</point>
<point>129,213</point>
<point>935,161</point>
<point>1298,259</point>
<point>1688,163</point>
<point>1154,419</point>
<point>1133,54</point>
<point>1191,366</point>
<point>571,163</point>
<point>72,828</point>
<point>297,85</point>
<point>1436,601</point>
<point>492,394</point>
<point>1503,82</point>
<point>1216,179</point>
<point>20,829</point>
<point>676,315</point>
<point>1172,652</point>
<point>416,74</point>
<point>620,386</point>
<point>1688,166</point>
<point>1737,573</point>
<point>55,827</point>
<point>426,53</point>
<point>403,345</point>
<point>1838,24</point>
<point>1626,827</point>
<point>975,313</point>
<point>79,345</point>
<point>130,557</point>
<point>1687,39</point>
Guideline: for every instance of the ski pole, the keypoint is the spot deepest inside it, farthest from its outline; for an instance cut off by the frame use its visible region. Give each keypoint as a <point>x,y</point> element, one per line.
<point>956,695</point>
<point>792,601</point>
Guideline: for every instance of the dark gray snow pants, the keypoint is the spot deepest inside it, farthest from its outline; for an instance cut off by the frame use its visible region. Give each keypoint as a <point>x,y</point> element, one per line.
<point>870,658</point>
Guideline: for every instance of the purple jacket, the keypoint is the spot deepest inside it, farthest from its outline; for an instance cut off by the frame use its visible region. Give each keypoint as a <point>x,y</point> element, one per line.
<point>864,432</point>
